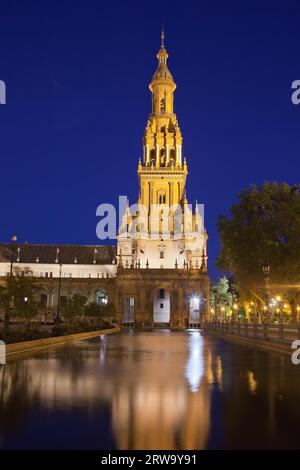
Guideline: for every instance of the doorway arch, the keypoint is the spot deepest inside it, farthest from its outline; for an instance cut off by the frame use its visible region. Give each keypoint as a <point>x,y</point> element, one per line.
<point>161,306</point>
<point>194,313</point>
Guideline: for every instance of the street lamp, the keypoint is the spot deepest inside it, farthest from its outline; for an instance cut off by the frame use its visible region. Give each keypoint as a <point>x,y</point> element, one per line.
<point>13,240</point>
<point>266,273</point>
<point>57,317</point>
<point>223,312</point>
<point>235,309</point>
<point>11,300</point>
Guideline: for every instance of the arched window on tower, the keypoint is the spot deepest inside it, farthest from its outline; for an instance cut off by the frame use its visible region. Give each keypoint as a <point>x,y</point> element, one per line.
<point>163,105</point>
<point>152,156</point>
<point>172,156</point>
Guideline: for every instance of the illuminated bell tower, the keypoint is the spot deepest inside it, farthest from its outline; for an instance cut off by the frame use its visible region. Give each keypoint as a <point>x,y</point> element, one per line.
<point>162,143</point>
<point>151,235</point>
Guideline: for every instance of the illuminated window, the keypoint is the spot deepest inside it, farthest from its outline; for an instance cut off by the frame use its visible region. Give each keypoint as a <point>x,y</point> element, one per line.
<point>101,297</point>
<point>162,105</point>
<point>161,293</point>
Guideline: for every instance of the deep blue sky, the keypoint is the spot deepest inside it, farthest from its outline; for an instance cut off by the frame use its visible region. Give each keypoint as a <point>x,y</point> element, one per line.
<point>77,77</point>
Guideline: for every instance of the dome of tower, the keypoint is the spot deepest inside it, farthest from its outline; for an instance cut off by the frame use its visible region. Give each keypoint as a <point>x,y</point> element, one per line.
<point>162,72</point>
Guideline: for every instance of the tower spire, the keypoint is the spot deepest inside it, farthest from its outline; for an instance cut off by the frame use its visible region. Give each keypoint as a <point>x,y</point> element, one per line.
<point>162,37</point>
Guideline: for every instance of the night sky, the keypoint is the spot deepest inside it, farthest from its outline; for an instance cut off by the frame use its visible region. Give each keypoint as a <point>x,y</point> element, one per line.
<point>77,76</point>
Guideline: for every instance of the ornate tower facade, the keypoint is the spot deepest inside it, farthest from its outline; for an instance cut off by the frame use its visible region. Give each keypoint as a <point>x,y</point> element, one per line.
<point>162,230</point>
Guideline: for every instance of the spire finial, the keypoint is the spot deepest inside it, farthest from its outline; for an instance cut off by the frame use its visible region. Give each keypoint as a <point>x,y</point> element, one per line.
<point>162,37</point>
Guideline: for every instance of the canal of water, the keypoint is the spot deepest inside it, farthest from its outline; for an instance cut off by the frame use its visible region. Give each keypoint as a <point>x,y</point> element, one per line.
<point>150,390</point>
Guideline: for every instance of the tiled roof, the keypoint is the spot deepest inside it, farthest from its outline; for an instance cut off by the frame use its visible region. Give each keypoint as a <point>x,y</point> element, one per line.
<point>65,254</point>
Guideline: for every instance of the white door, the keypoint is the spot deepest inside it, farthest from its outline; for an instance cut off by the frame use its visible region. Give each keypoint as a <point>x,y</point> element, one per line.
<point>128,310</point>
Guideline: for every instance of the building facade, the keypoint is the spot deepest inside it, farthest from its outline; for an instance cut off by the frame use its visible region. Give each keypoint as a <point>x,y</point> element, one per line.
<point>157,273</point>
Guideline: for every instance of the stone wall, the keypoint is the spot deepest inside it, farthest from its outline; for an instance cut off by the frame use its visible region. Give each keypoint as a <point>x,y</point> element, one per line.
<point>142,285</point>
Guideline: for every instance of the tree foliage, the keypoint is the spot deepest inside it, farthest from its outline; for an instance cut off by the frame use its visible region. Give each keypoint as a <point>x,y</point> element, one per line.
<point>220,293</point>
<point>263,229</point>
<point>94,309</point>
<point>74,307</point>
<point>18,297</point>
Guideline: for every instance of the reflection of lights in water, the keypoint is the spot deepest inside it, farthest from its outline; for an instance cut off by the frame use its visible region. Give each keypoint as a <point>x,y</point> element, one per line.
<point>102,354</point>
<point>102,348</point>
<point>252,383</point>
<point>209,376</point>
<point>219,372</point>
<point>194,368</point>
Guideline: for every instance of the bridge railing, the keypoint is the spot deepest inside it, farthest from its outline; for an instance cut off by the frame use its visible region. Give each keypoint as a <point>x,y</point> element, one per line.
<point>277,332</point>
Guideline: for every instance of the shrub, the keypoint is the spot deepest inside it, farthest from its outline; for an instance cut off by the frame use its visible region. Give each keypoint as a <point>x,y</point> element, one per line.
<point>24,334</point>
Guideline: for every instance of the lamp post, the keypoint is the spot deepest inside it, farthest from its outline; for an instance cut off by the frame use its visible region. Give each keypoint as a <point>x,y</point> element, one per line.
<point>235,310</point>
<point>223,310</point>
<point>7,312</point>
<point>57,317</point>
<point>279,308</point>
<point>13,240</point>
<point>266,273</point>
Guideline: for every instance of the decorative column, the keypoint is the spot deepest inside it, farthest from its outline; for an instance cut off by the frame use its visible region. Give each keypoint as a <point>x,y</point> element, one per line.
<point>180,317</point>
<point>149,208</point>
<point>167,154</point>
<point>180,192</point>
<point>171,198</point>
<point>178,154</point>
<point>157,155</point>
<point>146,154</point>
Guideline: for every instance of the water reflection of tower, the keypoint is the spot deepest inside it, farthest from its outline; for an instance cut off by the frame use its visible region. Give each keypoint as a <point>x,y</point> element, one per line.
<point>195,364</point>
<point>162,414</point>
